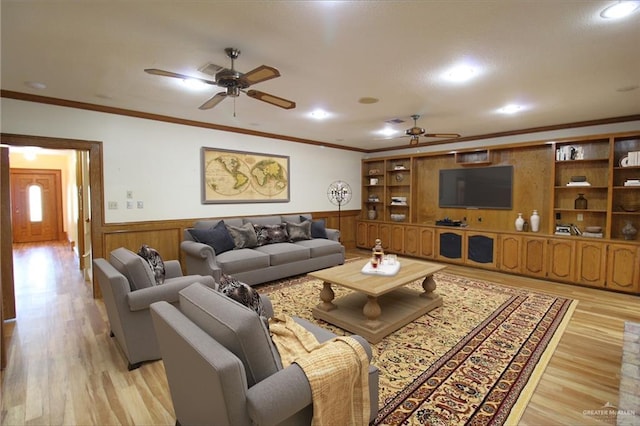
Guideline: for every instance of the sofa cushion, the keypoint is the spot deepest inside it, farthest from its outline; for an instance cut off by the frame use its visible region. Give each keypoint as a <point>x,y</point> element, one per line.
<point>133,267</point>
<point>242,260</point>
<point>299,231</point>
<point>236,327</point>
<point>271,234</point>
<point>217,237</point>
<point>243,236</point>
<point>283,253</point>
<point>155,262</point>
<point>208,223</point>
<point>318,229</point>
<point>320,247</point>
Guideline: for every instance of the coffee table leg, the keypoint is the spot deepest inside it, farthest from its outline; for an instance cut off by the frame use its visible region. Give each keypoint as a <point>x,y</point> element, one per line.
<point>429,285</point>
<point>327,295</point>
<point>372,311</point>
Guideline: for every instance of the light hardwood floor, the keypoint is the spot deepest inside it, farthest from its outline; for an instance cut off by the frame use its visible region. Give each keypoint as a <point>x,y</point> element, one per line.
<point>63,368</point>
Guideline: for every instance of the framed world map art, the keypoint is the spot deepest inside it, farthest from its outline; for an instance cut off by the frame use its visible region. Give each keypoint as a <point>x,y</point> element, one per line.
<point>243,177</point>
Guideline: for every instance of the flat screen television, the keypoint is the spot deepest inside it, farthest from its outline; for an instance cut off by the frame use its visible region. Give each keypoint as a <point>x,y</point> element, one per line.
<point>477,188</point>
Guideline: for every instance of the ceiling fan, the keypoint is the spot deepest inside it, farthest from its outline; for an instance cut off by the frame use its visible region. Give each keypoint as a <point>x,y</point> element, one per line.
<point>415,132</point>
<point>234,82</point>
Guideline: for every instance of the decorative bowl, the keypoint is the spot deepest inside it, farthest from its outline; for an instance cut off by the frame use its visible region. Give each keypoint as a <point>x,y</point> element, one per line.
<point>594,229</point>
<point>398,217</point>
<point>578,178</point>
<point>630,207</point>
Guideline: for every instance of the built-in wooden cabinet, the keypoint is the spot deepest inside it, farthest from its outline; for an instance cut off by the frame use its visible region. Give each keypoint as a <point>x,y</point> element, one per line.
<point>450,245</point>
<point>481,249</point>
<point>534,256</point>
<point>588,261</point>
<point>510,247</point>
<point>561,259</point>
<point>623,268</point>
<point>548,177</point>
<point>591,263</point>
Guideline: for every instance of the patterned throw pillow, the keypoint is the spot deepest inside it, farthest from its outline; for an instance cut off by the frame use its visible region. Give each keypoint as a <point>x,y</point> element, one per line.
<point>241,293</point>
<point>243,236</point>
<point>299,231</point>
<point>155,262</point>
<point>271,234</point>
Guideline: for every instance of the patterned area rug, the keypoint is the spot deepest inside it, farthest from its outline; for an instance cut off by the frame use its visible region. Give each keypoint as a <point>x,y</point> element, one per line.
<point>474,361</point>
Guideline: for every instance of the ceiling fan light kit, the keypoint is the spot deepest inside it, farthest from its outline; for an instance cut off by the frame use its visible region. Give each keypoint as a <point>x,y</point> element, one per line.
<point>233,82</point>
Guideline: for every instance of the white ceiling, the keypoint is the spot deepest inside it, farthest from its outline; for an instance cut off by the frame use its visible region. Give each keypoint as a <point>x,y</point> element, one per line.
<point>558,59</point>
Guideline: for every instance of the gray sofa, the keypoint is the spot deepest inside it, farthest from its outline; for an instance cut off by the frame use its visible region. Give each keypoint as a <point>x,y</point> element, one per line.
<point>223,369</point>
<point>207,250</point>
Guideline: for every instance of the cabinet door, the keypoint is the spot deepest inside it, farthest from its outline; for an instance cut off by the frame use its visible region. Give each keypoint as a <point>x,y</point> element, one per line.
<point>361,234</point>
<point>397,239</point>
<point>372,234</point>
<point>561,260</point>
<point>384,233</point>
<point>591,263</point>
<point>412,240</point>
<point>481,249</point>
<point>623,268</point>
<point>534,256</point>
<point>426,243</point>
<point>451,245</point>
<point>510,253</point>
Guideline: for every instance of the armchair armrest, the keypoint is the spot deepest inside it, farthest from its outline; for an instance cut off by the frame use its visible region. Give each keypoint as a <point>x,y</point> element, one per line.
<point>168,292</point>
<point>172,269</point>
<point>200,259</point>
<point>279,396</point>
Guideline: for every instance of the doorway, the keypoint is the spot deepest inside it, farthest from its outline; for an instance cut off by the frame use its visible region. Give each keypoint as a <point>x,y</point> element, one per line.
<point>36,201</point>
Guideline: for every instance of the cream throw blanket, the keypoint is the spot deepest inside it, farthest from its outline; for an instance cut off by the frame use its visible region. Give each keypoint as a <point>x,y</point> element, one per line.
<point>337,370</point>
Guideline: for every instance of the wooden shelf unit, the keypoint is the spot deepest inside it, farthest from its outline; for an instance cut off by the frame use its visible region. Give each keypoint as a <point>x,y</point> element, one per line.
<point>542,170</point>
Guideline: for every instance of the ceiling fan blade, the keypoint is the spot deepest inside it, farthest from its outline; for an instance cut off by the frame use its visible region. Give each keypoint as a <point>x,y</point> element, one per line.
<point>260,74</point>
<point>441,135</point>
<point>215,100</point>
<point>271,99</point>
<point>164,73</point>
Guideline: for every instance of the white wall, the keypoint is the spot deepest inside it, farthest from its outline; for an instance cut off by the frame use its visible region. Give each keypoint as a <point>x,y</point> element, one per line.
<point>160,162</point>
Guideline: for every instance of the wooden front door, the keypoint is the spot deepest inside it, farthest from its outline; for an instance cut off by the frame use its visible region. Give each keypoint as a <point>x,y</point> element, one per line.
<point>36,205</point>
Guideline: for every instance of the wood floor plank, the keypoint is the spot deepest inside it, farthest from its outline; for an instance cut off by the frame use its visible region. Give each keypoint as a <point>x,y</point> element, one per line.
<point>64,369</point>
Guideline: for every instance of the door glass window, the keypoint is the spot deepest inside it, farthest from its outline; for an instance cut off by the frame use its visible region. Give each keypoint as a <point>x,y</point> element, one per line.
<point>35,203</point>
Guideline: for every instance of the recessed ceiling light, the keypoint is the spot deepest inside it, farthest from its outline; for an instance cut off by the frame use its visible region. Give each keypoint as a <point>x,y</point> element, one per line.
<point>319,114</point>
<point>460,73</point>
<point>35,85</point>
<point>620,9</point>
<point>387,131</point>
<point>510,109</point>
<point>368,100</point>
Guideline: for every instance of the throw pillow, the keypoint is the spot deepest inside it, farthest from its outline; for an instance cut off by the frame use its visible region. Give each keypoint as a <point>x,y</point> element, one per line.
<point>299,231</point>
<point>241,293</point>
<point>271,234</point>
<point>318,229</point>
<point>155,262</point>
<point>243,236</point>
<point>217,237</point>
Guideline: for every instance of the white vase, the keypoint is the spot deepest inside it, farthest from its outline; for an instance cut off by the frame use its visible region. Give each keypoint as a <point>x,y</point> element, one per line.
<point>519,222</point>
<point>372,213</point>
<point>534,220</point>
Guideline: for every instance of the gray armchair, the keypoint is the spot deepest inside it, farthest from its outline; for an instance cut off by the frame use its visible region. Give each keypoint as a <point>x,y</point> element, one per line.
<point>128,309</point>
<point>223,369</point>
